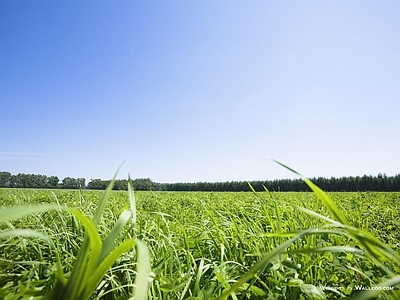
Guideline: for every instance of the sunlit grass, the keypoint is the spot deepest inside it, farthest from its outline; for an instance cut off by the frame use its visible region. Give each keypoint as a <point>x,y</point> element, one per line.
<point>89,245</point>
<point>86,264</point>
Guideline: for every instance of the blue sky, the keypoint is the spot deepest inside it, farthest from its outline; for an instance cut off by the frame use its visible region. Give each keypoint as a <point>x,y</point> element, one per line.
<point>199,90</point>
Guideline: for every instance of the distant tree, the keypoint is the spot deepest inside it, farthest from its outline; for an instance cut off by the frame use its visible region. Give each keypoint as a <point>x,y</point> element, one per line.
<point>121,184</point>
<point>98,184</point>
<point>5,179</point>
<point>22,180</point>
<point>142,184</point>
<point>73,183</point>
<point>39,181</point>
<point>13,181</point>
<point>69,183</point>
<point>52,181</point>
<point>81,183</point>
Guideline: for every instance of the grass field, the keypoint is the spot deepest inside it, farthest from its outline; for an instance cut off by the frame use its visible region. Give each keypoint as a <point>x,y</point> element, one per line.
<point>201,245</point>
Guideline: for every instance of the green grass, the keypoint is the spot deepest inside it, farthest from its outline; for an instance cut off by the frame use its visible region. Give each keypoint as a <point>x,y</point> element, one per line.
<point>91,260</point>
<point>95,245</point>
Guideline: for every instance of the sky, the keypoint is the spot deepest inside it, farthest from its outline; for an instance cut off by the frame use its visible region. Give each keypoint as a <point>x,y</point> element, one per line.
<point>187,91</point>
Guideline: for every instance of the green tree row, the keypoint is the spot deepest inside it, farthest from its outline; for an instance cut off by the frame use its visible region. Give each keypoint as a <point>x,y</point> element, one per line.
<point>39,181</point>
<point>139,184</point>
<point>381,182</point>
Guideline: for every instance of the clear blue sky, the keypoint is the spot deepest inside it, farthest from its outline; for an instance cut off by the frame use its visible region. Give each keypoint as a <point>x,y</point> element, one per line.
<point>200,90</point>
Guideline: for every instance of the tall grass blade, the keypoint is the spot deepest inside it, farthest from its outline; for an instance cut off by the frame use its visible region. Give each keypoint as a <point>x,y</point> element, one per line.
<point>108,243</point>
<point>87,257</point>
<point>376,250</point>
<point>98,273</point>
<point>331,249</point>
<point>103,201</point>
<point>132,200</point>
<point>321,195</point>
<point>25,233</point>
<point>143,271</point>
<point>281,249</point>
<point>8,214</point>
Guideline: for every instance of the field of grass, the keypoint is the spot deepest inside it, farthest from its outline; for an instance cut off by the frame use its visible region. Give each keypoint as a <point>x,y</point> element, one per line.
<point>201,245</point>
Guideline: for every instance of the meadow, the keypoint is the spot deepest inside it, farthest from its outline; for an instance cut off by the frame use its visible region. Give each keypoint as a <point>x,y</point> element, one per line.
<point>198,245</point>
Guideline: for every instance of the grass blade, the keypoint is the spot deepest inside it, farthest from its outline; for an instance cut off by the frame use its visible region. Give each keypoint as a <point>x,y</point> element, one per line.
<point>8,214</point>
<point>321,195</point>
<point>260,264</point>
<point>105,264</point>
<point>108,243</point>
<point>143,271</point>
<point>330,249</point>
<point>26,233</point>
<point>103,201</point>
<point>87,258</point>
<point>132,200</point>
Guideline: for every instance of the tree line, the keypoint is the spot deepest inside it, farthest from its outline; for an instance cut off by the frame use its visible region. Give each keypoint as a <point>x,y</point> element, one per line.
<point>21,180</point>
<point>381,182</point>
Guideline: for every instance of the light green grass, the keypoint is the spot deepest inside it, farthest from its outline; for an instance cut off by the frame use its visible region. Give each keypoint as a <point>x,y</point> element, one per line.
<point>94,257</point>
<point>200,245</point>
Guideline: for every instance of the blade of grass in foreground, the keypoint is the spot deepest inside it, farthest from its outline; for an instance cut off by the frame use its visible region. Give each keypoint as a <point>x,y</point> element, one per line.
<point>77,278</point>
<point>108,243</point>
<point>375,246</point>
<point>25,233</point>
<point>8,214</point>
<point>103,201</point>
<point>96,257</point>
<point>98,273</point>
<point>132,200</point>
<point>321,195</point>
<point>143,271</point>
<point>377,251</point>
<point>142,279</point>
<point>260,264</point>
<point>91,255</point>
